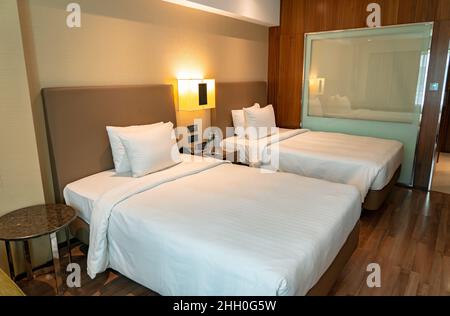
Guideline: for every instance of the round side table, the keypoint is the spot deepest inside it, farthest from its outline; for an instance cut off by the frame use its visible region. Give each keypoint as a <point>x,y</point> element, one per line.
<point>33,222</point>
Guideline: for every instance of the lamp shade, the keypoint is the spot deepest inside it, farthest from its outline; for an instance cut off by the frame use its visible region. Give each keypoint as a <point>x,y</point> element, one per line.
<point>196,94</point>
<point>316,86</point>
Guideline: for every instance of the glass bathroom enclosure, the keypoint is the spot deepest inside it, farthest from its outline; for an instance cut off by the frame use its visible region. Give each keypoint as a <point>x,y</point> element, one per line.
<point>368,82</point>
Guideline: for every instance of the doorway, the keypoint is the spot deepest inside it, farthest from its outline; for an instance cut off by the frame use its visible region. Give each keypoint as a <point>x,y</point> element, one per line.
<point>441,175</point>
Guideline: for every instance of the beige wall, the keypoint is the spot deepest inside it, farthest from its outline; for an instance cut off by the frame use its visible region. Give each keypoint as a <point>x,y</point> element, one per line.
<point>143,42</point>
<point>120,42</point>
<point>20,177</point>
<point>138,42</point>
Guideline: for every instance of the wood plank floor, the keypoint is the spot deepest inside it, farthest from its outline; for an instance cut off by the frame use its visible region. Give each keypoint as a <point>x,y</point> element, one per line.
<point>441,178</point>
<point>409,238</point>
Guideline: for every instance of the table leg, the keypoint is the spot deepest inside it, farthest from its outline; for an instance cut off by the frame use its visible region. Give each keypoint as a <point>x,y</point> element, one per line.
<point>69,247</point>
<point>10,260</point>
<point>56,264</point>
<point>28,265</point>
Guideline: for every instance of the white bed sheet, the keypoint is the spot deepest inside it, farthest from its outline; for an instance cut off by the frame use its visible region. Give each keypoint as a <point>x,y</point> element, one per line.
<point>82,194</point>
<point>212,228</point>
<point>372,115</point>
<point>365,162</point>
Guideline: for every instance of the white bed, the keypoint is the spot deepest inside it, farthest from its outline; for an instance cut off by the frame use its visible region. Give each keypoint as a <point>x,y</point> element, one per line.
<point>83,193</point>
<point>371,115</point>
<point>213,228</point>
<point>367,163</point>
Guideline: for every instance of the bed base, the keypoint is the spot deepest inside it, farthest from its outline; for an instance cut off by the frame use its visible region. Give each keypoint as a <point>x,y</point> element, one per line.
<point>375,199</point>
<point>80,230</point>
<point>329,278</point>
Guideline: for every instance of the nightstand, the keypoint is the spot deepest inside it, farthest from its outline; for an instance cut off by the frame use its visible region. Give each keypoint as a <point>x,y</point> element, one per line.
<point>232,156</point>
<point>202,149</point>
<point>194,149</point>
<point>36,221</point>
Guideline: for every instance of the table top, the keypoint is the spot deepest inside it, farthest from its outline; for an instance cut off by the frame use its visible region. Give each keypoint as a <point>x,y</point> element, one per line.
<point>35,221</point>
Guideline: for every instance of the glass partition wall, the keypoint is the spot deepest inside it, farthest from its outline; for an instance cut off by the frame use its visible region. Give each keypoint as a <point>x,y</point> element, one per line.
<point>368,82</point>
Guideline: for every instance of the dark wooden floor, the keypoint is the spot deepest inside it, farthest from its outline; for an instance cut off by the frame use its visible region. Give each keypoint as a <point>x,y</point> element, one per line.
<point>409,238</point>
<point>109,283</point>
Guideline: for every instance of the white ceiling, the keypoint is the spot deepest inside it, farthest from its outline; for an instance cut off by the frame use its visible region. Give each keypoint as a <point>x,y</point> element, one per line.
<point>262,12</point>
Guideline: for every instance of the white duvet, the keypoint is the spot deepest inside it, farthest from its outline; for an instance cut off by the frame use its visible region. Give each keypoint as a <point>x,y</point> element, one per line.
<point>212,228</point>
<point>364,162</point>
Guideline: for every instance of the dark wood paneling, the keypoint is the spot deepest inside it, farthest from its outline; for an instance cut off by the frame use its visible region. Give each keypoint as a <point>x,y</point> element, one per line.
<point>443,10</point>
<point>303,16</point>
<point>290,80</point>
<point>432,106</point>
<point>274,57</point>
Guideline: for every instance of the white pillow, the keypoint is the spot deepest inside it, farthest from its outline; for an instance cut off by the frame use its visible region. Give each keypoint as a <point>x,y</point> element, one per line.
<point>338,104</point>
<point>259,123</point>
<point>344,102</point>
<point>151,150</point>
<point>121,163</point>
<point>239,120</point>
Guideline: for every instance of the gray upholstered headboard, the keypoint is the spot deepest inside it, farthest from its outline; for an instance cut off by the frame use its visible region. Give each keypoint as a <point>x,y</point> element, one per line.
<point>235,96</point>
<point>76,119</point>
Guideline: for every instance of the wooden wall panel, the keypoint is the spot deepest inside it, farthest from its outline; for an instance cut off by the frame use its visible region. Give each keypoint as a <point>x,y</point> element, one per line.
<point>443,10</point>
<point>274,57</point>
<point>290,80</point>
<point>426,10</point>
<point>303,16</point>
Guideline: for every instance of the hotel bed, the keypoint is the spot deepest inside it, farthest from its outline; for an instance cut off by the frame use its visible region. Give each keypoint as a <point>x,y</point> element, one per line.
<point>367,163</point>
<point>201,227</point>
<point>201,232</point>
<point>372,165</point>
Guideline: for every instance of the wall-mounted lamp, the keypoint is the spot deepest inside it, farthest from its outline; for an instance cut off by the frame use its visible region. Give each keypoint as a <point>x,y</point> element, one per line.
<point>195,94</point>
<point>316,86</point>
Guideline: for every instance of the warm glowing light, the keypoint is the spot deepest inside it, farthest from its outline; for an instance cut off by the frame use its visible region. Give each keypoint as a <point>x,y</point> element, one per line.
<point>188,74</point>
<point>316,86</point>
<point>189,94</point>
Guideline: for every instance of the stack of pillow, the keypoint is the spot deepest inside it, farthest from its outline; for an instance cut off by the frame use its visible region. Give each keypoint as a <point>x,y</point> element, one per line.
<point>143,149</point>
<point>254,122</point>
<point>339,104</point>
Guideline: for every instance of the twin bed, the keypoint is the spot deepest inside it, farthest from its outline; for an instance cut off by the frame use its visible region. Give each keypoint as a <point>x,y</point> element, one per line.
<point>372,165</point>
<point>201,227</point>
<point>194,229</point>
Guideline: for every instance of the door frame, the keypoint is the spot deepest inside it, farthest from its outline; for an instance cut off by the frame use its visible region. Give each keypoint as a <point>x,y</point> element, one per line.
<point>426,152</point>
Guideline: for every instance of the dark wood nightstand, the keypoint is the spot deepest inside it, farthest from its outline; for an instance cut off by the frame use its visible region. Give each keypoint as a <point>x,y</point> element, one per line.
<point>203,150</point>
<point>194,149</point>
<point>220,154</point>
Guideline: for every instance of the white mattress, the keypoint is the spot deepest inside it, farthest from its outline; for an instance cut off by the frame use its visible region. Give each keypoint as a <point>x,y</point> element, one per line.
<point>372,115</point>
<point>213,228</point>
<point>82,194</point>
<point>365,162</point>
